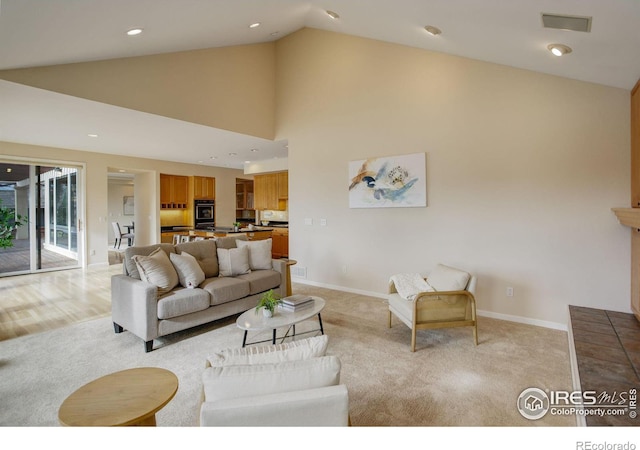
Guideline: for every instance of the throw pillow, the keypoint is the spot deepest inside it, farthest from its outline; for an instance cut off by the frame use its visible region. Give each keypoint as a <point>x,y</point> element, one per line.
<point>189,271</point>
<point>259,253</point>
<point>445,278</point>
<point>158,270</point>
<point>229,382</point>
<point>313,347</point>
<point>233,261</point>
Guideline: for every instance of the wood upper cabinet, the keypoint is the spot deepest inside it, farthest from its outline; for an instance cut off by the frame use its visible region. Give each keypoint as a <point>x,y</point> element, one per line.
<point>283,185</point>
<point>174,191</point>
<point>271,191</point>
<point>204,188</point>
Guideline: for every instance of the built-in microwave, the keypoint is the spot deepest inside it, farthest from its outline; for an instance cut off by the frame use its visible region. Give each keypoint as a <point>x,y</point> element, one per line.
<point>204,212</point>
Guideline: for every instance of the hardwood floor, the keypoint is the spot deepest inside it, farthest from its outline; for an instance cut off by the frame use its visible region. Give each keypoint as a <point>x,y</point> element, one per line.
<point>39,302</point>
<point>607,345</point>
<point>16,258</point>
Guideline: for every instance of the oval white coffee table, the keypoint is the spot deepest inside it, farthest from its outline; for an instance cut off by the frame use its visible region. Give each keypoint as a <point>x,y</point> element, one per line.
<point>256,321</point>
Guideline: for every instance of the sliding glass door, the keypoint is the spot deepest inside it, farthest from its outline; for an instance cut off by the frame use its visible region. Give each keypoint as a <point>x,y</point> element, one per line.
<point>43,201</point>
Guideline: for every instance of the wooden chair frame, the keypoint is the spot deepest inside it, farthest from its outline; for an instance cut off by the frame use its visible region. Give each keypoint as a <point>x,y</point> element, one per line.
<point>434,324</point>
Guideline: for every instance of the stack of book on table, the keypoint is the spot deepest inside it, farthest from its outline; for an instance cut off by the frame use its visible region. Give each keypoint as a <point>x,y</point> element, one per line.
<point>296,302</point>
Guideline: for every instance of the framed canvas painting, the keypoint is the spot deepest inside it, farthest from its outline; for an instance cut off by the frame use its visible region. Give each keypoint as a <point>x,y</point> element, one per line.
<point>388,182</point>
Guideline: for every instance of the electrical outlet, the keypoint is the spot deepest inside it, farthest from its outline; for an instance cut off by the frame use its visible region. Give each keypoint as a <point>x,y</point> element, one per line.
<point>323,222</point>
<point>308,221</point>
<point>509,292</point>
<point>93,253</point>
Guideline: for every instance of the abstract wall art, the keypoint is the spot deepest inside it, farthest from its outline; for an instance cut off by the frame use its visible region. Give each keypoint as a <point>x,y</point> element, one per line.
<point>388,182</point>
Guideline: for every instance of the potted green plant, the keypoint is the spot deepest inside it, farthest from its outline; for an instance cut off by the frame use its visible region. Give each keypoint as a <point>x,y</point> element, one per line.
<point>268,303</point>
<point>236,226</point>
<point>9,223</point>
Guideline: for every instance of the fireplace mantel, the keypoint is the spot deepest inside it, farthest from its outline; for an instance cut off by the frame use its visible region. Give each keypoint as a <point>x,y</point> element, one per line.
<point>628,216</point>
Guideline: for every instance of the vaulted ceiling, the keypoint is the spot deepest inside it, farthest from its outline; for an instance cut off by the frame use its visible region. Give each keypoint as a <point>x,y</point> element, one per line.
<point>37,33</point>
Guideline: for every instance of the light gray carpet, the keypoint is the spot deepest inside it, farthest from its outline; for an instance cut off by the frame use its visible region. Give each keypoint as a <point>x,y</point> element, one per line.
<point>447,381</point>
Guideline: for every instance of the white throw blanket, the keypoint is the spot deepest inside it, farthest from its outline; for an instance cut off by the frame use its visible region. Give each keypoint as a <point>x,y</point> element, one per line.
<point>409,285</point>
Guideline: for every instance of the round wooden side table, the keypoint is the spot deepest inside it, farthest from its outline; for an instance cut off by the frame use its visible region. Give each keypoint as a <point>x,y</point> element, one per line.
<point>126,398</point>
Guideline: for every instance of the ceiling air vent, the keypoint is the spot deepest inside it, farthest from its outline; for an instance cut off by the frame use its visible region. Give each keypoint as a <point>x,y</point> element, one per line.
<point>562,22</point>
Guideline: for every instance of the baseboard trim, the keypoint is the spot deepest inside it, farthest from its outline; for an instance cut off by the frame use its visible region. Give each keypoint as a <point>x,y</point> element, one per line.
<point>97,265</point>
<point>481,313</point>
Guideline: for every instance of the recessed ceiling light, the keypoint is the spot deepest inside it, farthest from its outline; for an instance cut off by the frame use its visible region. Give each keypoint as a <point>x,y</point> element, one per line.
<point>247,162</point>
<point>333,15</point>
<point>254,25</point>
<point>92,135</point>
<point>433,31</point>
<point>559,49</point>
<point>134,31</point>
<point>213,157</point>
<point>254,150</point>
<point>121,170</point>
<point>275,33</point>
<point>232,154</point>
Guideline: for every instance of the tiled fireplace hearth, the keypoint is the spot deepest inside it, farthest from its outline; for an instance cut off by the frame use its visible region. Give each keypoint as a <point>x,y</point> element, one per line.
<point>607,353</point>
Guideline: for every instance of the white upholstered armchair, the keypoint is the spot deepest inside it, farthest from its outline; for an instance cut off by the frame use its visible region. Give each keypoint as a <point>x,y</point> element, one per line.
<point>292,384</point>
<point>442,300</point>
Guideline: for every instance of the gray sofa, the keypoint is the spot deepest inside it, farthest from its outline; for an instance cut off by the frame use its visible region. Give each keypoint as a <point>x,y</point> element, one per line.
<point>137,307</point>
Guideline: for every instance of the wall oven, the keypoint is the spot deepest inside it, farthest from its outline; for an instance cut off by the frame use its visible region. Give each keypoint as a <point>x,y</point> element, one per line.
<point>205,213</point>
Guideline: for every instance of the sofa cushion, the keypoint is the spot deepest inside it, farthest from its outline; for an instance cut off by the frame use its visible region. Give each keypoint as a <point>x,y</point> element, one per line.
<point>130,265</point>
<point>158,270</point>
<point>205,253</point>
<point>182,301</point>
<point>230,241</point>
<point>227,382</point>
<point>233,261</point>
<point>261,280</point>
<point>445,278</point>
<point>312,347</point>
<point>259,253</point>
<point>225,289</point>
<point>189,271</point>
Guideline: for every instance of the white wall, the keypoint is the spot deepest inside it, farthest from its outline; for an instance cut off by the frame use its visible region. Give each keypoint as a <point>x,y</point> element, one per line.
<point>522,170</point>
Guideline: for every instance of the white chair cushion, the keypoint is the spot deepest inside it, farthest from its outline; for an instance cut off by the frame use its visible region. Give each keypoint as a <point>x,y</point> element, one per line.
<point>291,351</point>
<point>259,253</point>
<point>445,278</point>
<point>227,382</point>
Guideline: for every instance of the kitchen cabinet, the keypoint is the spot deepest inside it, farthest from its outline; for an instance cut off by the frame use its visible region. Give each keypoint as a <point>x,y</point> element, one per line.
<point>271,191</point>
<point>245,210</point>
<point>280,243</point>
<point>204,188</point>
<point>283,185</point>
<point>174,191</point>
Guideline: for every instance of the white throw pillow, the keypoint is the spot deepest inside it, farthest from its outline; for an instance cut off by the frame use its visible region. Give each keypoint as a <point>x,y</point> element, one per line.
<point>189,271</point>
<point>445,278</point>
<point>259,253</point>
<point>225,382</point>
<point>313,347</point>
<point>157,269</point>
<point>233,261</point>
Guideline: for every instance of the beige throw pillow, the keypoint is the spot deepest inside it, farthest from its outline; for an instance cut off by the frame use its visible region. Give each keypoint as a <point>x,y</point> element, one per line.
<point>189,271</point>
<point>158,270</point>
<point>233,261</point>
<point>445,278</point>
<point>259,253</point>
